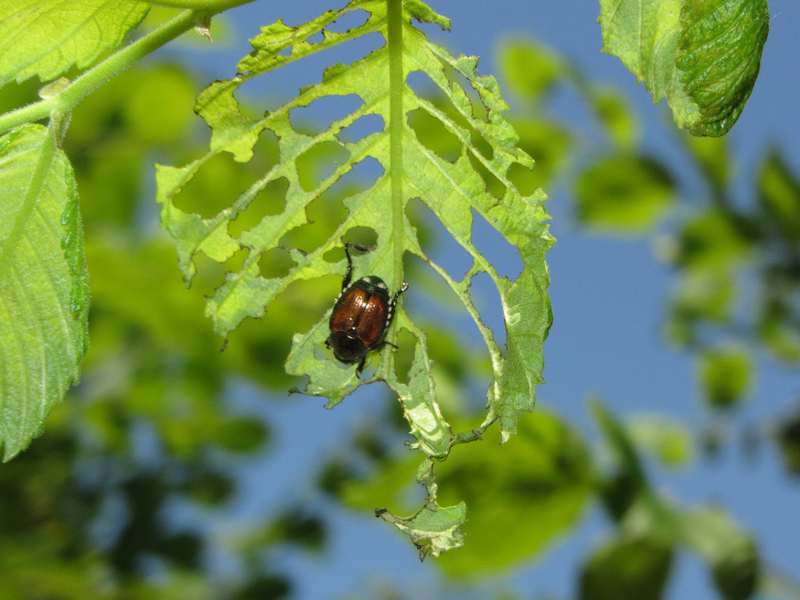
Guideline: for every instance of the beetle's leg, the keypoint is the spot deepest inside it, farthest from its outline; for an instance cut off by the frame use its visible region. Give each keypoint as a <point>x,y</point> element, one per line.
<point>393,304</point>
<point>348,274</point>
<point>360,366</point>
<point>385,343</point>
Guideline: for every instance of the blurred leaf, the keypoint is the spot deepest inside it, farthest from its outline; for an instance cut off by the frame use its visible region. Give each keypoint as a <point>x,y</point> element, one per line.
<point>43,283</point>
<point>627,567</point>
<point>528,68</point>
<point>779,195</point>
<point>726,376</point>
<point>241,434</point>
<point>623,194</point>
<point>272,587</point>
<point>616,116</point>
<point>788,438</point>
<point>668,441</point>
<point>711,240</point>
<point>778,329</point>
<point>157,118</point>
<point>703,57</point>
<point>550,143</point>
<point>731,554</point>
<point>713,158</point>
<point>702,295</point>
<point>45,38</point>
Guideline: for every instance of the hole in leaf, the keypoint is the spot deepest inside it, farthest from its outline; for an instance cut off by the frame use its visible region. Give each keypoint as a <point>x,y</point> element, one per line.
<point>211,274</point>
<point>494,246</point>
<point>425,87</point>
<point>364,236</point>
<point>220,181</point>
<point>315,38</point>
<point>432,134</point>
<point>266,152</point>
<point>404,355</point>
<point>216,186</point>
<point>280,87</point>
<point>319,115</point>
<point>437,242</point>
<point>487,300</point>
<point>549,144</point>
<point>482,145</point>
<point>447,309</point>
<point>287,51</point>
<point>348,21</point>
<point>275,263</point>
<point>270,201</point>
<point>493,185</point>
<point>327,212</point>
<point>319,162</point>
<point>361,128</point>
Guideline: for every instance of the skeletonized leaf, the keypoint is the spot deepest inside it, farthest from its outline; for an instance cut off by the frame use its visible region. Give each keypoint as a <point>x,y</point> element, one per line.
<point>45,38</point>
<point>43,283</point>
<point>702,55</point>
<point>453,190</point>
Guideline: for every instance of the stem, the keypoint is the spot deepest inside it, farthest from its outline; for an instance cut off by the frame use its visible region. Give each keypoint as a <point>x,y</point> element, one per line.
<point>396,131</point>
<point>98,75</point>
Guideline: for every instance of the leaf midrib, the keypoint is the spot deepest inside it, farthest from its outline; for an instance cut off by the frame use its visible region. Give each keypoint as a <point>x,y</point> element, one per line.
<point>43,165</point>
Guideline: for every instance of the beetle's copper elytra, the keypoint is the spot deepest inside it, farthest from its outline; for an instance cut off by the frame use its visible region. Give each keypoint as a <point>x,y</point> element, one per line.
<point>361,316</point>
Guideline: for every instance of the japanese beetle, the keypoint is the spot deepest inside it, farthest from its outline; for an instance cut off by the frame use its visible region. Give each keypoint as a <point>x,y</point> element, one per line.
<point>361,316</point>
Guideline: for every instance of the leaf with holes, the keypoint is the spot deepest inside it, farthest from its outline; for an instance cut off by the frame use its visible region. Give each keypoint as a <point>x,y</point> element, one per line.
<point>703,56</point>
<point>45,38</point>
<point>454,189</point>
<point>44,293</point>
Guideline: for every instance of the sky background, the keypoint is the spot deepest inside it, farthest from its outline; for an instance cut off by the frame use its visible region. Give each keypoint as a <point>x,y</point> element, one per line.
<point>608,299</point>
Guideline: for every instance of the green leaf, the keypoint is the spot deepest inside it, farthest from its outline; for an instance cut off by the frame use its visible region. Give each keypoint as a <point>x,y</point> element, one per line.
<point>550,143</point>
<point>787,436</point>
<point>44,294</point>
<point>726,376</point>
<point>730,552</point>
<point>711,241</point>
<point>712,158</point>
<point>45,38</point>
<point>702,55</point>
<point>433,529</point>
<point>528,69</point>
<point>668,441</point>
<point>452,190</point>
<point>616,116</point>
<point>779,195</point>
<point>624,194</point>
<point>631,566</point>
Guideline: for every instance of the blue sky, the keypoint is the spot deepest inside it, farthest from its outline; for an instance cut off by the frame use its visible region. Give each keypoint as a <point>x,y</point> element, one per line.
<point>608,297</point>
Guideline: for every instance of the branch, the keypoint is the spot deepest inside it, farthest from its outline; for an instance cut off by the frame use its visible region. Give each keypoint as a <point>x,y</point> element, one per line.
<point>64,101</point>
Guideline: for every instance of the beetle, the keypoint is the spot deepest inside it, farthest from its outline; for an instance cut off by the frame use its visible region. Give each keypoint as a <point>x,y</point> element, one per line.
<point>361,316</point>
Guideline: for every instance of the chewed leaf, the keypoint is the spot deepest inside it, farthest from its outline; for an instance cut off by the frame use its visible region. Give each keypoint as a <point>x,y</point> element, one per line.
<point>454,188</point>
<point>44,293</point>
<point>432,530</point>
<point>59,35</point>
